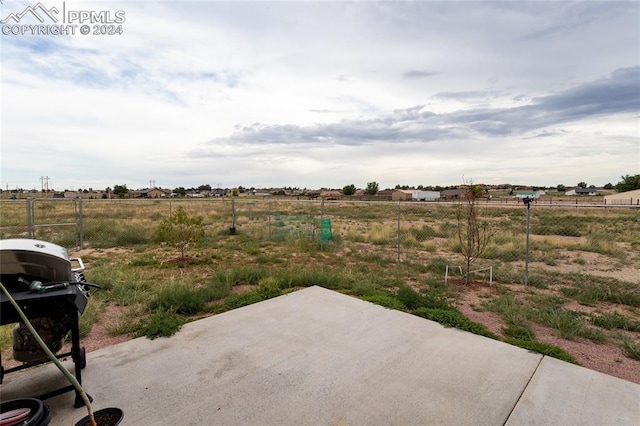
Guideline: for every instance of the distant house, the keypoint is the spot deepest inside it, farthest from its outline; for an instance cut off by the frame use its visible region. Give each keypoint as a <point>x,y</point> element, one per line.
<point>421,195</point>
<point>261,192</point>
<point>628,197</point>
<point>330,195</point>
<point>414,195</point>
<point>402,195</point>
<point>154,193</point>
<point>65,194</point>
<point>385,194</point>
<point>592,190</point>
<point>453,194</point>
<point>525,194</point>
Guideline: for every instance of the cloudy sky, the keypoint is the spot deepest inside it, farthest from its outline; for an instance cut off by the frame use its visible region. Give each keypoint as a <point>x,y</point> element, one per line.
<point>322,94</point>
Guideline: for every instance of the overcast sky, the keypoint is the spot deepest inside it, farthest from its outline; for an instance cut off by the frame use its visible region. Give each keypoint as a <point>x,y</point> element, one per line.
<point>323,94</point>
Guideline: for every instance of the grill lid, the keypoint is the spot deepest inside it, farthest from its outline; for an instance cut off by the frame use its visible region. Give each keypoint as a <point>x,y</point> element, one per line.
<point>37,259</point>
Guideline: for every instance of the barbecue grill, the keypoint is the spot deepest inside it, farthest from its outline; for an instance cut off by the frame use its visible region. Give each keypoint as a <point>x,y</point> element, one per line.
<point>51,290</point>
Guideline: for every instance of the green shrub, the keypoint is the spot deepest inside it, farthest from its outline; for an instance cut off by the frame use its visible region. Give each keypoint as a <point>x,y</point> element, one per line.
<point>409,297</point>
<point>218,289</point>
<point>615,320</point>
<point>387,301</point>
<point>160,324</point>
<point>454,318</point>
<point>568,323</point>
<point>631,347</point>
<point>180,298</point>
<point>590,290</point>
<point>512,310</point>
<point>235,301</point>
<point>519,332</point>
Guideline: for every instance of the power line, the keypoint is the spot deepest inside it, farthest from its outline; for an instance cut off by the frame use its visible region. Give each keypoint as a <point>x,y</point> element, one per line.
<point>44,183</point>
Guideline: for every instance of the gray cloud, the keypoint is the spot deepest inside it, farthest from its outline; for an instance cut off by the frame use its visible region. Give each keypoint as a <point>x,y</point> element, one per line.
<point>418,74</point>
<point>617,93</point>
<point>466,95</point>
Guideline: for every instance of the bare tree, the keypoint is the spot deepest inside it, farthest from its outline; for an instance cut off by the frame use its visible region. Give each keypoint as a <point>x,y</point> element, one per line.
<point>474,233</point>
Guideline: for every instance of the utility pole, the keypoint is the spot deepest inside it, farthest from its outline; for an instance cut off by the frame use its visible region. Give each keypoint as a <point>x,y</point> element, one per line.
<point>44,183</point>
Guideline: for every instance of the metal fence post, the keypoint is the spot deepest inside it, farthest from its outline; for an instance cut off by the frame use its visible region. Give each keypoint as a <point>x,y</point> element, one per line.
<point>81,223</point>
<point>398,231</point>
<point>232,230</point>
<point>321,225</point>
<point>29,219</point>
<point>269,217</point>
<point>527,201</point>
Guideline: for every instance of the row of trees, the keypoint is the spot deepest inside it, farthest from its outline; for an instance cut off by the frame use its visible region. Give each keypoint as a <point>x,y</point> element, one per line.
<point>372,189</point>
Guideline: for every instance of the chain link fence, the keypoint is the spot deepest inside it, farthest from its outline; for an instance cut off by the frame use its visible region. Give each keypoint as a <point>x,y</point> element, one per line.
<point>601,240</point>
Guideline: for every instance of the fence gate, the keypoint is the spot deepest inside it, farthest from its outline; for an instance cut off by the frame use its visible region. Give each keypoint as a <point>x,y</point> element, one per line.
<point>56,220</point>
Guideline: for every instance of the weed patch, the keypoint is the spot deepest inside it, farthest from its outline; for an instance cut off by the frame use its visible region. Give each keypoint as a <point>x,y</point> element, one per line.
<point>597,289</point>
<point>387,301</point>
<point>631,347</point>
<point>454,318</point>
<point>543,348</point>
<point>160,324</point>
<point>615,320</point>
<point>519,332</point>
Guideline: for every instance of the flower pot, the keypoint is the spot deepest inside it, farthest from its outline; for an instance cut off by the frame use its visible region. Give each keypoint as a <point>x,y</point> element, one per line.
<point>38,413</point>
<point>104,417</point>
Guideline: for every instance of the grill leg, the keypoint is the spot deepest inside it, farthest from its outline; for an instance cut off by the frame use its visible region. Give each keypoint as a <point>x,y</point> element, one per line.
<point>78,356</point>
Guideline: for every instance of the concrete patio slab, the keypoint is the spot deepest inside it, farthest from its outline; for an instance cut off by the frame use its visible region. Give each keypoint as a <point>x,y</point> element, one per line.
<point>564,394</point>
<point>316,357</point>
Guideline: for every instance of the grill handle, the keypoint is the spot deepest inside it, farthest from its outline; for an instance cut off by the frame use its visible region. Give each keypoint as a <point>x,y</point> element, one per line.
<point>80,268</point>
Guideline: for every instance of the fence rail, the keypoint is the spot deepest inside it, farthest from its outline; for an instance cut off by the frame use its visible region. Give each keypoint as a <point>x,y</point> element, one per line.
<point>596,239</point>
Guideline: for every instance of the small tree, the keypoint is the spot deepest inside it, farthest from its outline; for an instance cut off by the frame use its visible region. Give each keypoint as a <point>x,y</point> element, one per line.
<point>120,190</point>
<point>628,183</point>
<point>372,188</point>
<point>474,233</point>
<point>349,189</point>
<point>180,230</point>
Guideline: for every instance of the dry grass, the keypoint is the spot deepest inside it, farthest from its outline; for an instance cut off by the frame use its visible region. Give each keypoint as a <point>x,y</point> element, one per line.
<point>587,260</point>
